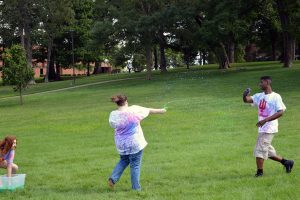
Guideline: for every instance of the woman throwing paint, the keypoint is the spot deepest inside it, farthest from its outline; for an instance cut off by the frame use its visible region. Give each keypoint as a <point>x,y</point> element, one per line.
<point>129,138</point>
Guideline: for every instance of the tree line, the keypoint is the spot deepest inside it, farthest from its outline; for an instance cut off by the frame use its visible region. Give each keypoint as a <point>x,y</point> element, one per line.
<point>149,32</point>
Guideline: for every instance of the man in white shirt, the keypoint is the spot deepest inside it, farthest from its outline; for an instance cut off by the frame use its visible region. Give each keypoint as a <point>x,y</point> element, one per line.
<point>270,108</point>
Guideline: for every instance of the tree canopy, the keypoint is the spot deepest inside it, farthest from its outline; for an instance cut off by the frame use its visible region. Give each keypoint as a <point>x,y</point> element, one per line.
<point>16,70</point>
<point>144,31</point>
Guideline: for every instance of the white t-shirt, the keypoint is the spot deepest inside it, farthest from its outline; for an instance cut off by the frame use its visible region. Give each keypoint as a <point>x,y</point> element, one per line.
<point>268,105</point>
<point>129,137</point>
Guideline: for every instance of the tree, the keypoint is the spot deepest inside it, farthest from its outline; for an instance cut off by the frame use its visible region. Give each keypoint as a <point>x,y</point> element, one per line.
<point>7,28</point>
<point>21,18</point>
<point>266,28</point>
<point>73,36</point>
<point>16,70</point>
<point>58,14</point>
<point>131,23</point>
<point>182,31</point>
<point>82,27</point>
<point>224,25</point>
<point>288,11</point>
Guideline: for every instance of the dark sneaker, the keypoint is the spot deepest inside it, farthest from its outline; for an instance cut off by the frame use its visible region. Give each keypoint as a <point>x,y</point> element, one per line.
<point>111,184</point>
<point>258,174</point>
<point>288,165</point>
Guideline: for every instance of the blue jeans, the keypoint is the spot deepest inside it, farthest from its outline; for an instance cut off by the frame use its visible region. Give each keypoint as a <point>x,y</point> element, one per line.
<point>135,161</point>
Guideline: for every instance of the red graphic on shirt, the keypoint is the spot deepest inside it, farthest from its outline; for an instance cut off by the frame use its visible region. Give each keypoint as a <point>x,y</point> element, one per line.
<point>262,107</point>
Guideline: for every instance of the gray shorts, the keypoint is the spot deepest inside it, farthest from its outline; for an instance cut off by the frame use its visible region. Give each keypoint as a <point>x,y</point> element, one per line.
<point>263,148</point>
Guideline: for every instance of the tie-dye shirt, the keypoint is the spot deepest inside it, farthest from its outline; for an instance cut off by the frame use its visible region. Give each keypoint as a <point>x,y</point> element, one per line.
<point>129,137</point>
<point>268,105</point>
<point>9,156</point>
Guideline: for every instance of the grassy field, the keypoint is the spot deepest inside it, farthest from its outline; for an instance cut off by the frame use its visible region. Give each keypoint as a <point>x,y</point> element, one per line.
<point>200,149</point>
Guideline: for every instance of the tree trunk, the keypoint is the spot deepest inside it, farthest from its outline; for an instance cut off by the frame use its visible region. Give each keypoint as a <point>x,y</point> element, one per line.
<point>293,49</point>
<point>57,66</point>
<point>163,65</point>
<point>97,68</point>
<point>29,50</point>
<point>21,96</point>
<point>22,37</point>
<point>287,50</point>
<point>88,69</point>
<point>273,46</point>
<point>52,73</point>
<point>273,37</point>
<point>50,44</point>
<point>28,46</point>
<point>287,37</point>
<point>231,52</point>
<point>222,57</point>
<point>149,62</point>
<point>250,52</point>
<point>203,58</point>
<point>24,21</point>
<point>162,45</point>
<point>155,58</point>
<point>186,53</point>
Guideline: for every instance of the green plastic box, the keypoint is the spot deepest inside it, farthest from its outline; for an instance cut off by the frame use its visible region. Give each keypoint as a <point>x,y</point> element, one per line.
<point>16,181</point>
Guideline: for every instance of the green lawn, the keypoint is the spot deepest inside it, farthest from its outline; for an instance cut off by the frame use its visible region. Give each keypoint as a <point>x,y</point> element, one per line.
<point>200,149</point>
